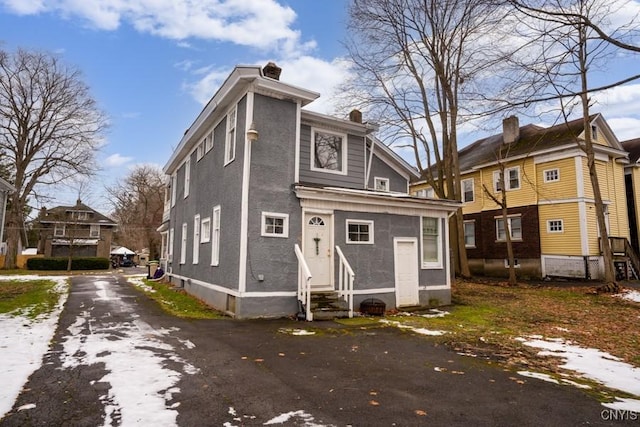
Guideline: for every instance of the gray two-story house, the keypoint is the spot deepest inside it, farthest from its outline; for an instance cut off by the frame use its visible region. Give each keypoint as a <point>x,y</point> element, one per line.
<point>268,203</point>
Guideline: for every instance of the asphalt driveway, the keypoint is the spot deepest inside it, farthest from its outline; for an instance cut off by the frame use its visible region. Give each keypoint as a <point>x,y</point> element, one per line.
<point>117,359</point>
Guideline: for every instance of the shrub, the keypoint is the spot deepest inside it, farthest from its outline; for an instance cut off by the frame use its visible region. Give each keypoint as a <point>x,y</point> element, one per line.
<point>60,263</point>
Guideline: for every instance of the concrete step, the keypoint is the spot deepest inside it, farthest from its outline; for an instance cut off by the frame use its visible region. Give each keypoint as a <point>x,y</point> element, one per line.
<point>324,314</point>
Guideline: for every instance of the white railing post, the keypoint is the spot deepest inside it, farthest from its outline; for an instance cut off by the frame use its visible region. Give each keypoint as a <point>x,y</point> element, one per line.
<point>304,283</point>
<point>345,289</point>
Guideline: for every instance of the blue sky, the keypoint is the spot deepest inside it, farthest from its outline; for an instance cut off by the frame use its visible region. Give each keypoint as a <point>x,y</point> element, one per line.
<point>152,64</point>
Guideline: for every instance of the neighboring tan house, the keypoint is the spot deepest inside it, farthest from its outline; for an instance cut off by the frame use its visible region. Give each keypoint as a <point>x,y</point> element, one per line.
<point>5,190</point>
<point>269,203</point>
<point>79,229</point>
<point>549,197</point>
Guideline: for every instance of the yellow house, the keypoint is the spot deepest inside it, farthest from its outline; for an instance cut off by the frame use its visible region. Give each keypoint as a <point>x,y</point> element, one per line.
<point>632,185</point>
<point>551,209</point>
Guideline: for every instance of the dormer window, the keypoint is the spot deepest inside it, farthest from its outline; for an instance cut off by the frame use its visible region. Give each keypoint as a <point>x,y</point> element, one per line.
<point>328,151</point>
<point>79,215</point>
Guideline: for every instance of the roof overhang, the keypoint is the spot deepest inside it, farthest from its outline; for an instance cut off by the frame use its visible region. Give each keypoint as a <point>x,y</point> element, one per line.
<point>373,201</point>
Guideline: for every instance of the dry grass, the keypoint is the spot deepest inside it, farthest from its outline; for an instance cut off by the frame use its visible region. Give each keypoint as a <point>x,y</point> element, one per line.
<point>487,317</point>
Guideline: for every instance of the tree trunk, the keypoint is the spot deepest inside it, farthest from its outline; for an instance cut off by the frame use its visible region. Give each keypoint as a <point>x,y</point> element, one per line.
<point>13,229</point>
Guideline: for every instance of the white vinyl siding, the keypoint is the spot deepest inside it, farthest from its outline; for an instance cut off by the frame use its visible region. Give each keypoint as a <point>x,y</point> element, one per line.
<point>215,236</point>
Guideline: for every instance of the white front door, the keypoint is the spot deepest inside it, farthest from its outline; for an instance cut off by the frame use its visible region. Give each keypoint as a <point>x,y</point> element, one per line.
<point>318,250</point>
<point>405,262</point>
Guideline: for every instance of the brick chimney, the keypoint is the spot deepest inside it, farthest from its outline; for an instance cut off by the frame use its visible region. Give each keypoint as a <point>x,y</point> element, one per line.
<point>510,130</point>
<point>355,116</point>
<point>272,71</point>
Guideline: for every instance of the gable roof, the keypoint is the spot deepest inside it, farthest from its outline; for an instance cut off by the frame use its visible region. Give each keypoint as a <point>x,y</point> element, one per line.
<point>532,140</point>
<point>58,214</point>
<point>633,147</point>
<point>393,159</point>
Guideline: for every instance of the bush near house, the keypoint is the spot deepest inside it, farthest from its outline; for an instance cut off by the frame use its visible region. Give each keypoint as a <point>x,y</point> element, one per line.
<point>61,263</point>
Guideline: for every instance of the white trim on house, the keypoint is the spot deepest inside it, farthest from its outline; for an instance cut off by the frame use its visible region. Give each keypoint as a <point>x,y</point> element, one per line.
<point>187,175</point>
<point>285,224</point>
<point>296,177</point>
<point>183,243</point>
<point>330,199</point>
<point>344,148</point>
<point>370,232</point>
<point>196,239</point>
<point>437,264</point>
<point>551,171</point>
<point>244,197</point>
<point>380,180</point>
<point>582,208</point>
<point>231,134</point>
<point>215,236</point>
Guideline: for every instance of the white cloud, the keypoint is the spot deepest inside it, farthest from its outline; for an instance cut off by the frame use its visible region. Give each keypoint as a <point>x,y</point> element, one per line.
<point>24,7</point>
<point>263,24</point>
<point>116,160</point>
<point>307,72</point>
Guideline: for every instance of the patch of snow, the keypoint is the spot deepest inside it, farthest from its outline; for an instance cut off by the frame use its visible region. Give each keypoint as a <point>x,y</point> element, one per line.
<point>421,331</point>
<point>303,416</point>
<point>27,406</point>
<point>596,365</point>
<point>138,282</point>
<point>539,376</point>
<point>434,313</point>
<point>623,404</point>
<point>629,295</point>
<point>295,331</point>
<point>24,342</point>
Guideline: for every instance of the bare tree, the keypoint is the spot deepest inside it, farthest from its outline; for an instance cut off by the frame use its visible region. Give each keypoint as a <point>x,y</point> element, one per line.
<point>572,42</point>
<point>49,128</point>
<point>138,205</point>
<point>413,59</point>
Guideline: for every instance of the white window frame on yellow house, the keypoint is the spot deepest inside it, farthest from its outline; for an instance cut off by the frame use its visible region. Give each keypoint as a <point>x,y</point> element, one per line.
<point>551,175</point>
<point>507,182</point>
<point>465,183</point>
<point>551,226</point>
